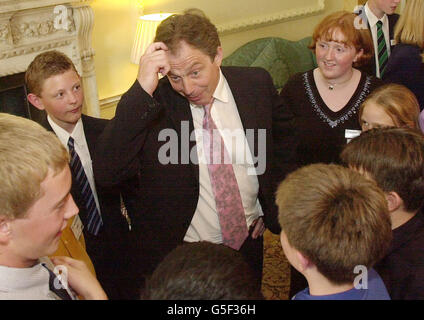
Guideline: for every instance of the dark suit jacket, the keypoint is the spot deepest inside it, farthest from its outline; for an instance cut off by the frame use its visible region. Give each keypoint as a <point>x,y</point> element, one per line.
<point>111,250</point>
<point>406,67</point>
<point>168,193</point>
<point>371,67</point>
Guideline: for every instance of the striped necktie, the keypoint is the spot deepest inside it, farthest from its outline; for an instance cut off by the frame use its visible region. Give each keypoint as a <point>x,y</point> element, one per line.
<point>93,221</point>
<point>383,54</point>
<point>225,188</point>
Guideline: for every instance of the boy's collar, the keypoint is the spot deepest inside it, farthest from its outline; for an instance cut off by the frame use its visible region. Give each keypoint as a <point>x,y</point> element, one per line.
<point>63,135</point>
<point>372,18</point>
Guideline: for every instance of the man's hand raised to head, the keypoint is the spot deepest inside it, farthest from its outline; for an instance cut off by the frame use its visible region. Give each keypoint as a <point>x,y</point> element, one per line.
<point>153,61</point>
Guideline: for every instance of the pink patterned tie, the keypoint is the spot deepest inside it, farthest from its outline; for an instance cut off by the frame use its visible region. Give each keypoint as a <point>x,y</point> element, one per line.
<point>224,185</point>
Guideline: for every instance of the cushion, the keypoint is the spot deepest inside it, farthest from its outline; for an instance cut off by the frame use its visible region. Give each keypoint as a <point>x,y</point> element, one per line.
<point>280,57</point>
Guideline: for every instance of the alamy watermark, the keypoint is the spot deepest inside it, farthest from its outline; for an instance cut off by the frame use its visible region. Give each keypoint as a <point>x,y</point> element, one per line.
<point>361,280</point>
<point>61,19</point>
<point>176,149</point>
<point>61,280</point>
<point>361,20</point>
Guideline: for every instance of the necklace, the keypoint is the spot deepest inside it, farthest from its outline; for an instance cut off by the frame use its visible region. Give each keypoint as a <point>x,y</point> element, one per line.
<point>332,86</point>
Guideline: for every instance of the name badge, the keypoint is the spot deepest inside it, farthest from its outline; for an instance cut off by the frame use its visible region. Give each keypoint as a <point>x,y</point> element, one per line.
<point>350,134</point>
<point>392,42</point>
<point>77,227</point>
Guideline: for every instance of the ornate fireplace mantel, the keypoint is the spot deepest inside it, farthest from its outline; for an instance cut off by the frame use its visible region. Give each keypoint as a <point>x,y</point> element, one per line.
<point>29,27</point>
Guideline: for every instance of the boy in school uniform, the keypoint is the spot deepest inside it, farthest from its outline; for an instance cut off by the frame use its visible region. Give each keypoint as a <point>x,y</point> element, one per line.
<point>335,227</point>
<point>54,85</point>
<point>35,206</point>
<point>394,158</point>
<point>381,21</point>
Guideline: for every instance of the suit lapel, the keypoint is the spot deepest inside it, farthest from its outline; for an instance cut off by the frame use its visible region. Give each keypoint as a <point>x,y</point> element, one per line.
<point>90,134</point>
<point>180,114</point>
<point>246,105</point>
<point>45,123</point>
<point>392,22</point>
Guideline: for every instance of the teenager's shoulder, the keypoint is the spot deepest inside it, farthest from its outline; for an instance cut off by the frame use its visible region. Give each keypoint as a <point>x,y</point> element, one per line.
<point>393,18</point>
<point>89,120</point>
<point>248,74</point>
<point>93,126</point>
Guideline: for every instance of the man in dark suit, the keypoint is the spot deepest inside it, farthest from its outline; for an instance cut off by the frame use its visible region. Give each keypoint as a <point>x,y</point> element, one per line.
<point>159,134</point>
<point>380,12</point>
<point>55,87</point>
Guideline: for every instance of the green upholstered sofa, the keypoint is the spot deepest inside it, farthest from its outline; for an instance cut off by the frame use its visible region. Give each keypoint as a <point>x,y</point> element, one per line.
<point>280,57</point>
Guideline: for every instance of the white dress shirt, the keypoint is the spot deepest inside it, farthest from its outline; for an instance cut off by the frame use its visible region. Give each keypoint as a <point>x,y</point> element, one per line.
<point>205,223</point>
<point>81,147</point>
<point>372,20</point>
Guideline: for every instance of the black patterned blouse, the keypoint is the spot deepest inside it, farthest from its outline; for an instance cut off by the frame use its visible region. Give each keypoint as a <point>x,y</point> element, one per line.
<point>320,133</point>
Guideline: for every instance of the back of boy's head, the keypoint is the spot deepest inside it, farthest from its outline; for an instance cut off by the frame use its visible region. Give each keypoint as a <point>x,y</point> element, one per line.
<point>27,153</point>
<point>394,158</point>
<point>400,104</point>
<point>44,66</point>
<point>335,217</point>
<point>202,271</point>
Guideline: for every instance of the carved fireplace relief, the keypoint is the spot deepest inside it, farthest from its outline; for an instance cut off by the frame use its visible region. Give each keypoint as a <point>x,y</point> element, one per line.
<point>29,27</point>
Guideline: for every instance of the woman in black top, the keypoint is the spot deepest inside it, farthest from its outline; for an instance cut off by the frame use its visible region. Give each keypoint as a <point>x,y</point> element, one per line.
<point>324,102</point>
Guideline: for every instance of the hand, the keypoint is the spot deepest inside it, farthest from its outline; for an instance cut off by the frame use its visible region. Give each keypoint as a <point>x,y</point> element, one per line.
<point>153,61</point>
<point>80,279</point>
<point>259,228</point>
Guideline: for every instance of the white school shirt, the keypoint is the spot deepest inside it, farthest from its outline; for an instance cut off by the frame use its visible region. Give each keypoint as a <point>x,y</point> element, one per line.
<point>28,283</point>
<point>81,147</point>
<point>205,223</point>
<point>372,20</point>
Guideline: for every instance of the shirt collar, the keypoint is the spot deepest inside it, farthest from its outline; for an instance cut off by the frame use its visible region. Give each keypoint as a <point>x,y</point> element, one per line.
<point>63,135</point>
<point>372,18</point>
<point>221,91</point>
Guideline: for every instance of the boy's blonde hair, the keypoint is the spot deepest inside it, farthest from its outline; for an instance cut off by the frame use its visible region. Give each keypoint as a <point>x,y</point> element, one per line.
<point>27,153</point>
<point>335,217</point>
<point>410,27</point>
<point>400,104</point>
<point>44,66</point>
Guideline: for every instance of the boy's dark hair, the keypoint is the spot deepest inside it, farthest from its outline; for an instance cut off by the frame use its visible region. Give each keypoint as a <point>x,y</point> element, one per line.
<point>202,271</point>
<point>394,158</point>
<point>336,218</point>
<point>45,65</point>
<point>194,28</point>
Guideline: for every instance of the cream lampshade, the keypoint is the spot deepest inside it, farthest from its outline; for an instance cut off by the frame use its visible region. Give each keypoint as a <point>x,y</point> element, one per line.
<point>146,30</point>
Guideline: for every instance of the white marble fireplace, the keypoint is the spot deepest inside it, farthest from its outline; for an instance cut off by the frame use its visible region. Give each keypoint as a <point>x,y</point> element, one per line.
<point>29,27</point>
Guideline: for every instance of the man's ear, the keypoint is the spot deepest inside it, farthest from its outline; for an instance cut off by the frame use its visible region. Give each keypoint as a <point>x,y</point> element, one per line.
<point>36,101</point>
<point>5,230</point>
<point>219,56</point>
<point>393,201</point>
